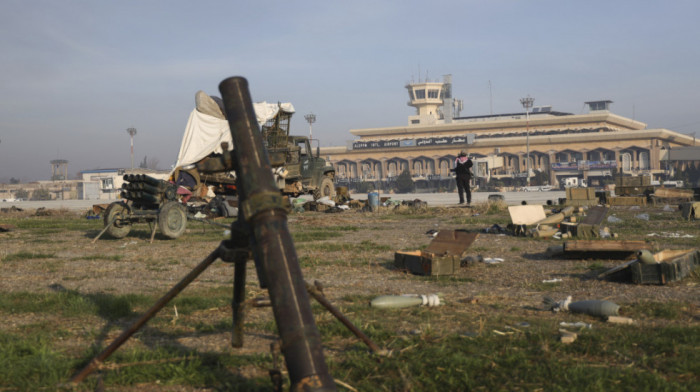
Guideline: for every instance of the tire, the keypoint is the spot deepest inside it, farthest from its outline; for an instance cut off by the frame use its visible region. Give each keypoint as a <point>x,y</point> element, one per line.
<point>119,212</point>
<point>172,219</point>
<point>326,188</point>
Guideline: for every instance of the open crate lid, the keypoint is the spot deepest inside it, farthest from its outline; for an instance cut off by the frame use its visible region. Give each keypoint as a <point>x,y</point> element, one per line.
<point>451,242</point>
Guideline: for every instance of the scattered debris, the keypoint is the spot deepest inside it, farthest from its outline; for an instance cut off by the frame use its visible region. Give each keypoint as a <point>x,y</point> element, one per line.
<point>567,337</point>
<point>42,211</point>
<point>555,280</point>
<point>496,198</point>
<point>493,260</point>
<point>6,228</point>
<point>442,256</point>
<point>670,235</point>
<point>619,320</point>
<point>578,324</point>
<point>11,209</point>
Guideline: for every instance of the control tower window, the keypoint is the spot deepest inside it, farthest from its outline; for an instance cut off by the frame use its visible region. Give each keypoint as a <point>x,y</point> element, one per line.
<point>410,94</point>
<point>433,93</point>
<point>420,94</point>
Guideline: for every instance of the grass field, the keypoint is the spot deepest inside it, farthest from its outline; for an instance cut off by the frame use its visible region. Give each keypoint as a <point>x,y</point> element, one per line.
<point>63,299</point>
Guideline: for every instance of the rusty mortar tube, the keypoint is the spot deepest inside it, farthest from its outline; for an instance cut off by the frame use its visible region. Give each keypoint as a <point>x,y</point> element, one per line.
<point>121,339</point>
<point>262,206</point>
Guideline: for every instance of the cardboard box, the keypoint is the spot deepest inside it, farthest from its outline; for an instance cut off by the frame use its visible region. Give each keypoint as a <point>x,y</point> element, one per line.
<point>442,256</point>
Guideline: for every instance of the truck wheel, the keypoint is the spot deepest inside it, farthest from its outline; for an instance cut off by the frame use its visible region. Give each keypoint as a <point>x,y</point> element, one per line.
<point>325,189</point>
<point>172,219</point>
<point>119,213</point>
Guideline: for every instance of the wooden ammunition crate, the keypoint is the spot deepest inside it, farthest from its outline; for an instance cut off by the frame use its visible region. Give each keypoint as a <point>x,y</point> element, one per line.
<point>633,181</point>
<point>673,266</point>
<point>425,263</point>
<point>442,256</point>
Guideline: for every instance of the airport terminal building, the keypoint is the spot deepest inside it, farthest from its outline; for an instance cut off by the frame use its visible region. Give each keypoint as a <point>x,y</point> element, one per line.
<point>591,146</point>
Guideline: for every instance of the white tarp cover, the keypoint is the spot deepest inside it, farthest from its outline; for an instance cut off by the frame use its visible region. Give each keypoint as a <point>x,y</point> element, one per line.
<point>204,133</point>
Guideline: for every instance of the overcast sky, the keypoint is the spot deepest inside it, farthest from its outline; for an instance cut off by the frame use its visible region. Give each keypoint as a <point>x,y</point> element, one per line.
<point>76,74</point>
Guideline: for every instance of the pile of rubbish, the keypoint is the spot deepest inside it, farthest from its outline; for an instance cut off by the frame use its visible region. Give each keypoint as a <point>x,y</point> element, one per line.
<point>567,222</point>
<point>343,202</point>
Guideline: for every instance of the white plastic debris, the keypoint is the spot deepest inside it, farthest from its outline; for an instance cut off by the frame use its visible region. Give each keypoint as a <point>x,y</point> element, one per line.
<point>578,324</point>
<point>555,280</point>
<point>614,219</point>
<point>326,201</point>
<point>493,260</point>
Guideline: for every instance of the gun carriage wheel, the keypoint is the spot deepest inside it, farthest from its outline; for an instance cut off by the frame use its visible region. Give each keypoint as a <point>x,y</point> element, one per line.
<point>172,219</point>
<point>116,219</point>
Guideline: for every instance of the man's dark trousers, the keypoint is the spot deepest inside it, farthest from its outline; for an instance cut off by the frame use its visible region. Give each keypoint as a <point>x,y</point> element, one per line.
<point>462,188</point>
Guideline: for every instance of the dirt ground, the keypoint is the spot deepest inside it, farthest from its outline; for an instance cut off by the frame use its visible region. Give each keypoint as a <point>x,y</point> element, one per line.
<point>356,264</point>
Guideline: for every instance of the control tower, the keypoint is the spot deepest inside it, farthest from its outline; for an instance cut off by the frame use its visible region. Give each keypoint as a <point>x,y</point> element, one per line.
<point>433,102</point>
<point>59,170</point>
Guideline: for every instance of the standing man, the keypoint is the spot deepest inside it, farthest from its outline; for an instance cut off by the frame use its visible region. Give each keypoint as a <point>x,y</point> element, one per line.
<point>463,168</point>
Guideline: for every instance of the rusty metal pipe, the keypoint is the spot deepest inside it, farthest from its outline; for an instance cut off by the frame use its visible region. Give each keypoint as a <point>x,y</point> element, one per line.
<point>238,305</point>
<point>273,248</point>
<point>318,296</point>
<point>99,358</point>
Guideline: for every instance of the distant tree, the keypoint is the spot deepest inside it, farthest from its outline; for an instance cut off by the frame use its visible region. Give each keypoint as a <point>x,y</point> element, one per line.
<point>153,163</point>
<point>14,180</point>
<point>404,182</point>
<point>41,194</point>
<point>21,194</point>
<point>149,163</point>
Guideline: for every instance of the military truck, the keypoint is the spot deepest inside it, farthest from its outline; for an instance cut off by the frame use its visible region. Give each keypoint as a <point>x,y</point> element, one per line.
<point>297,168</point>
<point>205,151</point>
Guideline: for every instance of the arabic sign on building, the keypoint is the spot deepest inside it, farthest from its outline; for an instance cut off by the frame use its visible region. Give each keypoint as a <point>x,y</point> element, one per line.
<point>430,141</point>
<point>584,165</point>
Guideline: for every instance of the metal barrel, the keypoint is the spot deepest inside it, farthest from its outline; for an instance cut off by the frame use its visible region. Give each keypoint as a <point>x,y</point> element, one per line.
<point>149,180</point>
<point>273,248</point>
<point>149,197</point>
<point>154,190</point>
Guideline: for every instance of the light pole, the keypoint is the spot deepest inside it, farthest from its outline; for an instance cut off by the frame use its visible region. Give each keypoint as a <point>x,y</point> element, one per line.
<point>310,118</point>
<point>527,104</point>
<point>132,132</point>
